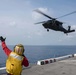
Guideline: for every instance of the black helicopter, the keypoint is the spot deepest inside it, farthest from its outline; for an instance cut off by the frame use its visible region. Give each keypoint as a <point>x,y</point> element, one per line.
<point>54,24</point>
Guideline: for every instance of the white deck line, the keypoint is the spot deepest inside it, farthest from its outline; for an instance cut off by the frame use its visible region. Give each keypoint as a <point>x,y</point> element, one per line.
<point>3,68</point>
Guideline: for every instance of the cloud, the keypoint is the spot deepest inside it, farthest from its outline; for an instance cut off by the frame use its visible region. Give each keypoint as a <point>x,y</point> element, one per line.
<point>73,26</point>
<point>39,33</point>
<point>27,2</point>
<point>36,15</point>
<point>45,10</point>
<point>69,37</point>
<point>5,20</point>
<point>29,36</point>
<point>13,23</point>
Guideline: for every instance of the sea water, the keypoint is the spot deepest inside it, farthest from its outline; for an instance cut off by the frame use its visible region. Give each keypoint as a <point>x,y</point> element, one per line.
<point>35,53</point>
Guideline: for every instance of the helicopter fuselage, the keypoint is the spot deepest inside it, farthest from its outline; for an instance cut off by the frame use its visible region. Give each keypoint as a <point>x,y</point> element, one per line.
<point>57,26</point>
<point>54,25</point>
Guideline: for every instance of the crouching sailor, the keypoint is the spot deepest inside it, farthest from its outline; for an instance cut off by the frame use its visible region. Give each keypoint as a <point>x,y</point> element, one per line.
<point>15,58</point>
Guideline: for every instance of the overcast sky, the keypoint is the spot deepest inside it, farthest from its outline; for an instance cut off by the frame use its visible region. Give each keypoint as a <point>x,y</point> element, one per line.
<point>17,18</point>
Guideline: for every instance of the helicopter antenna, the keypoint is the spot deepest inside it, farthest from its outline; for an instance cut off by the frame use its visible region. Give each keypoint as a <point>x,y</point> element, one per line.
<point>67,14</point>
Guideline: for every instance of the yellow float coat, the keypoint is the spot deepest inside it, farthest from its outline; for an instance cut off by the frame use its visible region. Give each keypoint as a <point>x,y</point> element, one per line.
<point>14,64</point>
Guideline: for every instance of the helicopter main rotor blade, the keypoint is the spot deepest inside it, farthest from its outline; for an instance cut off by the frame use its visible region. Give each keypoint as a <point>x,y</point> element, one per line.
<point>43,14</point>
<point>40,22</point>
<point>66,14</point>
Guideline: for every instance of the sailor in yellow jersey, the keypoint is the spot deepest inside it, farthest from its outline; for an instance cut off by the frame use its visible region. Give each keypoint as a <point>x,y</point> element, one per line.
<point>15,58</point>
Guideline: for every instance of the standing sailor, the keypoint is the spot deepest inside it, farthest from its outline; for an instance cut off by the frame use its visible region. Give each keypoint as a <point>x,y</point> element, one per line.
<point>15,58</point>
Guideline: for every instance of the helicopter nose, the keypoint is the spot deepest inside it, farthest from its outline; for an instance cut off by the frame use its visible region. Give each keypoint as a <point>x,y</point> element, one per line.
<point>43,24</point>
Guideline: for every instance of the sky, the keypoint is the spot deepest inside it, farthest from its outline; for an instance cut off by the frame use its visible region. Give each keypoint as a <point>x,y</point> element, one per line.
<point>18,18</point>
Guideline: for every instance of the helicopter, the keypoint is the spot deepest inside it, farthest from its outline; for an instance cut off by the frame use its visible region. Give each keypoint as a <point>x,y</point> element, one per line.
<point>54,24</point>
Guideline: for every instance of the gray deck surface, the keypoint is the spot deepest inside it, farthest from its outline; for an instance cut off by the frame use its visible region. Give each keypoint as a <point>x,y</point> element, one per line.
<point>64,67</point>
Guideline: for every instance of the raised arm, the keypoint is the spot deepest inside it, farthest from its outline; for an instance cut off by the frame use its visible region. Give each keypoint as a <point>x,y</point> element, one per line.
<point>4,46</point>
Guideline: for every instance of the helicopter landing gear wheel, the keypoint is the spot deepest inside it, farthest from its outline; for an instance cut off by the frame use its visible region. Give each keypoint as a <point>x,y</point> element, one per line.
<point>47,29</point>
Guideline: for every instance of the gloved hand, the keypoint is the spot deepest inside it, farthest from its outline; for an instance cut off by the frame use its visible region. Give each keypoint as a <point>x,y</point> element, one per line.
<point>23,55</point>
<point>2,39</point>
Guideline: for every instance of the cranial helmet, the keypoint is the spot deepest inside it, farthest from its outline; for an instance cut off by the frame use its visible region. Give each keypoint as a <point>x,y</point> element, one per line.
<point>19,49</point>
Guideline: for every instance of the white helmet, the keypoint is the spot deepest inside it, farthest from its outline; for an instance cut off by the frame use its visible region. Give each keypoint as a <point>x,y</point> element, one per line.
<point>19,49</point>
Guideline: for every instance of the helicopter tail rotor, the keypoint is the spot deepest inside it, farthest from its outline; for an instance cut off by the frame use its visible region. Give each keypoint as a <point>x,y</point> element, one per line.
<point>69,30</point>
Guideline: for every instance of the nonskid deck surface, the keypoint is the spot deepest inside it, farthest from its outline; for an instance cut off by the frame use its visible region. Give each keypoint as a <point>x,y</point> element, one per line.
<point>63,67</point>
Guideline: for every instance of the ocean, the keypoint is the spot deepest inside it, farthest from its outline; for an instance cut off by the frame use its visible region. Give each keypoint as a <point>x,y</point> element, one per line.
<point>35,53</point>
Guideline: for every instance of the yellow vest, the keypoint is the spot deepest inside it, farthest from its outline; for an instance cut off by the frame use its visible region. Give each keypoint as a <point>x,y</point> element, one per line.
<point>14,64</point>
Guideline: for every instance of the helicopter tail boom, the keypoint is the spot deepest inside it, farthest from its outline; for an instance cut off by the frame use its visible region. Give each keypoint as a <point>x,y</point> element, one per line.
<point>69,31</point>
